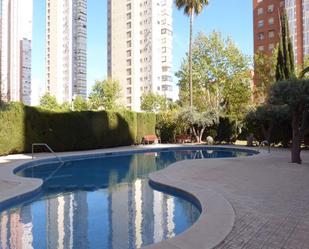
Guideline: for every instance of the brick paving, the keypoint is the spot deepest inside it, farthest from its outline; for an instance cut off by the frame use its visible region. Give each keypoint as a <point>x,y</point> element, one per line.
<point>271,203</point>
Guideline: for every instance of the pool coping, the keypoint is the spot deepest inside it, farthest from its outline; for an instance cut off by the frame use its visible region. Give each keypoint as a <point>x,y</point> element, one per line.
<point>214,224</point>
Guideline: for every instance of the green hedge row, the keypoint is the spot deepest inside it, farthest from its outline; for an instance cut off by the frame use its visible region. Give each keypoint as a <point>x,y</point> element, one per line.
<point>20,126</point>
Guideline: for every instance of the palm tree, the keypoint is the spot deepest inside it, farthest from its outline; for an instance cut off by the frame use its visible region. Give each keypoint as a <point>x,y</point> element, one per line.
<point>191,7</point>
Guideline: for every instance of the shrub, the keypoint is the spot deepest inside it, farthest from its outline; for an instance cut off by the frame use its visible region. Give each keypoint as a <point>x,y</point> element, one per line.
<point>20,126</point>
<point>227,130</point>
<point>167,126</point>
<point>270,123</point>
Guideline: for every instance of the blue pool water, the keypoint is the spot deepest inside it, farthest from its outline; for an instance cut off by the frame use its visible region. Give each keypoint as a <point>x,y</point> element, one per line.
<point>102,203</point>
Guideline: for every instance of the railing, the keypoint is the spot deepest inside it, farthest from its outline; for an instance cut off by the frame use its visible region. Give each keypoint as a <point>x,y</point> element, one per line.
<point>58,158</point>
<point>265,142</point>
<point>50,149</point>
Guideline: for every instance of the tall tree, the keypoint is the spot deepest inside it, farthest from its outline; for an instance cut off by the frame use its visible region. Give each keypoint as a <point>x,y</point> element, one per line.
<point>264,74</point>
<point>222,76</point>
<point>191,7</point>
<point>153,102</point>
<point>49,102</point>
<point>295,94</point>
<point>285,68</point>
<point>79,104</point>
<point>105,95</point>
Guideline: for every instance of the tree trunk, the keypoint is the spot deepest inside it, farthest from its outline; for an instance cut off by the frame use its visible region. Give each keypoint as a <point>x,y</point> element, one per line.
<point>201,135</point>
<point>296,140</point>
<point>267,132</point>
<point>190,59</point>
<point>195,133</point>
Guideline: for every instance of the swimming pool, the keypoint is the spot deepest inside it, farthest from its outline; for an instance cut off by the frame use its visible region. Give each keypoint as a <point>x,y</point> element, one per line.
<point>103,202</point>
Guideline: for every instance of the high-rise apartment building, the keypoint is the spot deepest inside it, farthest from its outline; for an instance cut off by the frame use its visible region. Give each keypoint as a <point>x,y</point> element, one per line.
<point>139,52</point>
<point>267,25</point>
<point>66,49</point>
<point>16,36</point>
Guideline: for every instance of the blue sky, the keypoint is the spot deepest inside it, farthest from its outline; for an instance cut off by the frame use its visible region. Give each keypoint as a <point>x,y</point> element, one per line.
<point>231,17</point>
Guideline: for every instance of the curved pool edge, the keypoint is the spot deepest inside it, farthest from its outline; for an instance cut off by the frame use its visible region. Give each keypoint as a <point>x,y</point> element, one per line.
<point>215,222</point>
<point>21,189</point>
<point>209,230</point>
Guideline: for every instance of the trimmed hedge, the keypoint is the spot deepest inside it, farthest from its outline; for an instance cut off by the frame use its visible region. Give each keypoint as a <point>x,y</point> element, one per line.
<point>20,126</point>
<point>146,125</point>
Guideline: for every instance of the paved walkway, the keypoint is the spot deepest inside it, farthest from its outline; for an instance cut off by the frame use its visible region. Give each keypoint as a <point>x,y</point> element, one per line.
<point>269,195</point>
<point>271,201</point>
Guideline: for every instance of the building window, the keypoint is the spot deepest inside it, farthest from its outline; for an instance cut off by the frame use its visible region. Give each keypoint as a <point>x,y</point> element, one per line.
<point>129,90</point>
<point>270,8</point>
<point>261,23</point>
<point>271,46</point>
<point>128,44</point>
<point>129,62</point>
<point>129,100</point>
<point>271,21</point>
<point>271,34</point>
<point>259,1</point>
<point>129,35</point>
<point>128,72</point>
<point>128,6</point>
<point>128,53</point>
<point>260,36</point>
<point>129,16</point>
<point>128,25</point>
<point>260,11</point>
<point>261,48</point>
<point>129,81</point>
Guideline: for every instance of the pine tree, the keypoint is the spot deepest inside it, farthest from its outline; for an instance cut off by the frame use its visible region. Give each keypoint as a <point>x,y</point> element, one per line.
<point>285,68</point>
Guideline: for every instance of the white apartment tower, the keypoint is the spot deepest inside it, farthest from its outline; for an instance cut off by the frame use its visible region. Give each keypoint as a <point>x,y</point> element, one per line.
<point>140,48</point>
<point>16,36</point>
<point>66,49</point>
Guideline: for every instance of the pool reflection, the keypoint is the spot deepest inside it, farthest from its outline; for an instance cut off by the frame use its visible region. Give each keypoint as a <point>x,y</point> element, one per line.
<point>129,216</point>
<point>103,203</point>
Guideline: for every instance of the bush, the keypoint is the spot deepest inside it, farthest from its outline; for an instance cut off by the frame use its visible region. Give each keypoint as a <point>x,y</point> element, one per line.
<point>227,130</point>
<point>272,123</point>
<point>167,126</point>
<point>20,126</point>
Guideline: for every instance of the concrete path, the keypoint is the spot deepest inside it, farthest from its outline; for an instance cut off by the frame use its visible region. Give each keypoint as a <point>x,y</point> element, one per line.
<point>268,195</point>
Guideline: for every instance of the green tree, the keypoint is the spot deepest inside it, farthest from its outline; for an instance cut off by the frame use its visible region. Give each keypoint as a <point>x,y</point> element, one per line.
<point>49,102</point>
<point>105,95</point>
<point>191,7</point>
<point>269,122</point>
<point>219,67</point>
<point>152,102</point>
<point>80,104</point>
<point>285,68</point>
<point>198,122</point>
<point>264,74</point>
<point>295,94</point>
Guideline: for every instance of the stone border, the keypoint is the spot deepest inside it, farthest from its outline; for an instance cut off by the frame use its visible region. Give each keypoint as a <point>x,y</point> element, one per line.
<point>217,215</point>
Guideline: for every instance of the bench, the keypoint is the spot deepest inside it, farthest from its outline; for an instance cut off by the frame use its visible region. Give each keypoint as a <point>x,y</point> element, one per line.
<point>183,138</point>
<point>147,139</point>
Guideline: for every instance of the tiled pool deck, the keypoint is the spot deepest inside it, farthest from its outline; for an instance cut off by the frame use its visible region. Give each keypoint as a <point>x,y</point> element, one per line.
<point>253,202</point>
